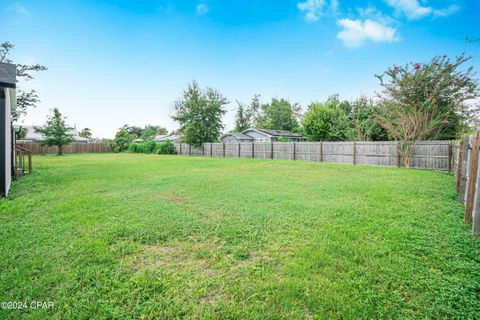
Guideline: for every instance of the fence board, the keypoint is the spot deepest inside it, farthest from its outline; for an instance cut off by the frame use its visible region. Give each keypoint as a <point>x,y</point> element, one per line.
<point>36,148</point>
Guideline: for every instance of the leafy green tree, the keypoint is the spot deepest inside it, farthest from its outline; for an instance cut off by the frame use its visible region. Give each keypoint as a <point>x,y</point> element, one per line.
<point>133,130</point>
<point>199,114</point>
<point>148,134</point>
<point>326,122</point>
<point>122,140</point>
<point>55,131</point>
<point>279,114</point>
<point>362,119</point>
<point>86,133</point>
<point>242,118</point>
<point>25,99</point>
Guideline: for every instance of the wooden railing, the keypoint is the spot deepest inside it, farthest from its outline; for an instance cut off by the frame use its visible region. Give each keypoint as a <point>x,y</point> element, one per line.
<point>22,156</point>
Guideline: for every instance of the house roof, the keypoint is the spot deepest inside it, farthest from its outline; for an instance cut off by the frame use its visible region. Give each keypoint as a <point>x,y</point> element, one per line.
<point>8,73</point>
<point>170,137</point>
<point>276,133</point>
<point>31,134</point>
<point>238,135</point>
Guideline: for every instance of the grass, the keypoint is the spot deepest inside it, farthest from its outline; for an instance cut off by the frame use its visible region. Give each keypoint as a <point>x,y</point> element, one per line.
<point>133,236</point>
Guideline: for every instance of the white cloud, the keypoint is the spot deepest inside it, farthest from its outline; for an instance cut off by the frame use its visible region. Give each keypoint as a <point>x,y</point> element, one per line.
<point>314,9</point>
<point>451,9</point>
<point>410,8</point>
<point>20,9</point>
<point>356,32</point>
<point>201,9</point>
<point>413,9</point>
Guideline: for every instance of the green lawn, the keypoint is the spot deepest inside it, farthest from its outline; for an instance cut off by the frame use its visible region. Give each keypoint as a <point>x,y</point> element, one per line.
<point>151,237</point>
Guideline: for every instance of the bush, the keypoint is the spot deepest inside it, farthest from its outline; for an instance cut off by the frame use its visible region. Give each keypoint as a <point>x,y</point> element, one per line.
<point>145,147</point>
<point>166,147</point>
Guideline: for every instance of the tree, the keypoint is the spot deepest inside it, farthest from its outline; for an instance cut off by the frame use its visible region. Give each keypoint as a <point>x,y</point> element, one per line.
<point>55,131</point>
<point>86,133</point>
<point>280,114</point>
<point>362,119</point>
<point>25,99</point>
<point>199,114</point>
<point>326,122</point>
<point>427,101</point>
<point>122,140</point>
<point>148,134</point>
<point>242,118</point>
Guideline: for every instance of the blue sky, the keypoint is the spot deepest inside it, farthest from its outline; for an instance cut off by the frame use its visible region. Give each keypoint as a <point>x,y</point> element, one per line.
<point>117,62</point>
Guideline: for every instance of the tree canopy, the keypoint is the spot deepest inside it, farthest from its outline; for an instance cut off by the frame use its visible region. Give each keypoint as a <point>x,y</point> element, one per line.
<point>199,113</point>
<point>326,122</point>
<point>25,99</point>
<point>55,131</point>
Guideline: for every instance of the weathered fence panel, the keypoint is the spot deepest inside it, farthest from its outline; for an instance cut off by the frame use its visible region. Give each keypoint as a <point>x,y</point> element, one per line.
<point>308,151</point>
<point>36,148</point>
<point>283,150</point>
<point>338,152</point>
<point>384,153</point>
<point>263,150</point>
<point>246,150</point>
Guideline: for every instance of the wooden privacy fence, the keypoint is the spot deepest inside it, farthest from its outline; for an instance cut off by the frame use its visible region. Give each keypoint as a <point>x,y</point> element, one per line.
<point>36,148</point>
<point>465,169</point>
<point>434,155</point>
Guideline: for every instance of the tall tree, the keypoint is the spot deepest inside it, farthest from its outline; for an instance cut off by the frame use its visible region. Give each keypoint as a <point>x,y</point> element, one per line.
<point>280,114</point>
<point>242,118</point>
<point>86,133</point>
<point>25,99</point>
<point>362,120</point>
<point>427,101</point>
<point>326,122</point>
<point>199,113</point>
<point>55,131</point>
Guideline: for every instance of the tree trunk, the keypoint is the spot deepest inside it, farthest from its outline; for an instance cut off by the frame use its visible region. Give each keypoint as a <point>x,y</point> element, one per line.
<point>60,150</point>
<point>406,152</point>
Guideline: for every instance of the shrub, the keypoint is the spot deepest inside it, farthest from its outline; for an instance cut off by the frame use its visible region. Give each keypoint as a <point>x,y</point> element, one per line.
<point>145,147</point>
<point>134,147</point>
<point>166,147</point>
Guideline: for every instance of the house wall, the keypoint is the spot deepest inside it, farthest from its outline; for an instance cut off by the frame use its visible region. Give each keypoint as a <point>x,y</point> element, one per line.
<point>5,139</point>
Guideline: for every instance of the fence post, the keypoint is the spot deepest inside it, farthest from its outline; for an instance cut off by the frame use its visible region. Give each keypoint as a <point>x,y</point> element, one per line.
<point>464,176</point>
<point>354,152</point>
<point>399,155</point>
<point>253,150</point>
<point>224,149</point>
<point>239,149</point>
<point>271,150</point>
<point>459,165</point>
<point>472,177</point>
<point>294,151</point>
<point>211,150</point>
<point>203,149</point>
<point>321,151</point>
<point>180,149</point>
<point>189,149</point>
<point>450,153</point>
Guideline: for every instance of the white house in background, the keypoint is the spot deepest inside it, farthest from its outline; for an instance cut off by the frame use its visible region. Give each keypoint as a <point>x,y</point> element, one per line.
<point>260,135</point>
<point>172,137</point>
<point>31,136</point>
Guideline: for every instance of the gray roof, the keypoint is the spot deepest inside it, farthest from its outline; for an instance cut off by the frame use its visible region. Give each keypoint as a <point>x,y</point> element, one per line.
<point>8,73</point>
<point>238,135</point>
<point>171,137</point>
<point>31,134</point>
<point>277,133</point>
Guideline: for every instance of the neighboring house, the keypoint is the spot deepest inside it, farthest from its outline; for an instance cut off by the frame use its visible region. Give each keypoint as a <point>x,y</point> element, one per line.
<point>32,136</point>
<point>236,137</point>
<point>172,137</point>
<point>266,135</point>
